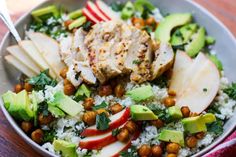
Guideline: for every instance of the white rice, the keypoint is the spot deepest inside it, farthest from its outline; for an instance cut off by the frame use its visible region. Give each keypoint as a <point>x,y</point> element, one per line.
<point>48,146</point>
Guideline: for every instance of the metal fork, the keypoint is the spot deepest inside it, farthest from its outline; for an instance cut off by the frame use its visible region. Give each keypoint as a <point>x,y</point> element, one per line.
<point>4,15</point>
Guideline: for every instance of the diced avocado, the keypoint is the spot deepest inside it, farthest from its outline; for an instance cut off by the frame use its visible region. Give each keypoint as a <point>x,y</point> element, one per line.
<point>50,10</point>
<point>140,112</point>
<point>128,11</point>
<point>198,123</point>
<point>216,61</point>
<point>66,104</point>
<point>77,23</point>
<point>140,93</point>
<point>210,40</point>
<point>56,112</point>
<point>66,148</point>
<point>34,107</point>
<point>175,112</point>
<point>163,31</point>
<point>82,92</point>
<point>172,136</point>
<point>139,5</point>
<point>8,99</point>
<point>197,43</point>
<point>75,14</point>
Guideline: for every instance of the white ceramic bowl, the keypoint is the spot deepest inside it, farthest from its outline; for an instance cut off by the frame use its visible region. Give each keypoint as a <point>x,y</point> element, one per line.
<point>225,47</point>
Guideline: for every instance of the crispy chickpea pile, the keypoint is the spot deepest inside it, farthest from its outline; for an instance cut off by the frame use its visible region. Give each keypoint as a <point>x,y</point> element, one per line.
<point>88,103</point>
<point>116,108</point>
<point>128,130</point>
<point>69,88</point>
<point>21,86</point>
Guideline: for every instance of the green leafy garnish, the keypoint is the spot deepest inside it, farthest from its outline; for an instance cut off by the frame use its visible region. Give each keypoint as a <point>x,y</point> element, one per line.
<point>231,91</point>
<point>87,26</point>
<point>216,127</point>
<point>148,29</point>
<point>161,113</point>
<point>43,108</point>
<point>115,132</point>
<point>82,93</point>
<point>161,81</point>
<point>102,121</point>
<point>40,81</point>
<point>102,105</point>
<point>136,62</point>
<point>117,6</point>
<point>49,135</point>
<point>132,152</point>
<point>146,12</point>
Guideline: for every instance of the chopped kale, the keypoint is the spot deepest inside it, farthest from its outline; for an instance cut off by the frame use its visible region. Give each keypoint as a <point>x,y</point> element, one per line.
<point>161,113</point>
<point>231,91</point>
<point>102,105</point>
<point>131,152</point>
<point>216,127</point>
<point>48,135</point>
<point>117,6</point>
<point>115,132</point>
<point>136,62</point>
<point>87,26</point>
<point>148,29</point>
<point>102,121</point>
<point>146,12</point>
<point>213,109</point>
<point>43,108</point>
<point>161,81</point>
<point>40,81</point>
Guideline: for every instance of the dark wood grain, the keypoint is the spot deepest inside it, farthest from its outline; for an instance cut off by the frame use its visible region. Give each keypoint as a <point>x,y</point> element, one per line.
<point>11,145</point>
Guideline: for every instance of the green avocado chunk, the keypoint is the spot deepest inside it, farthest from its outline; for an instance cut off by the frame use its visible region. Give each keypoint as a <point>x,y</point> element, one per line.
<point>198,123</point>
<point>34,107</point>
<point>66,104</point>
<point>175,112</point>
<point>216,61</point>
<point>8,99</point>
<point>77,23</point>
<point>128,11</point>
<point>47,11</point>
<point>82,92</point>
<point>197,43</point>
<point>140,93</point>
<point>210,40</point>
<point>163,31</point>
<point>172,136</point>
<point>140,112</point>
<point>75,14</point>
<point>66,148</point>
<point>56,112</point>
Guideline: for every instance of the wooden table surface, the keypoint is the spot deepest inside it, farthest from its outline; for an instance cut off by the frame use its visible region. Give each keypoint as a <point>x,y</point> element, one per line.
<point>11,145</point>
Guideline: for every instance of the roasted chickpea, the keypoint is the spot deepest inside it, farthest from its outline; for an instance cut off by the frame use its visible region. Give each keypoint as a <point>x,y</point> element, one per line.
<point>171,93</point>
<point>157,123</point>
<point>156,151</point>
<point>89,117</point>
<point>200,135</point>
<point>88,103</point>
<point>116,108</point>
<point>193,114</point>
<point>18,88</point>
<point>37,136</point>
<point>63,72</point>
<point>45,120</point>
<point>131,126</point>
<point>102,110</point>
<point>144,150</point>
<point>185,111</point>
<point>66,81</point>
<point>150,21</point>
<point>138,22</point>
<point>191,141</point>
<point>26,126</point>
<point>67,23</point>
<point>168,101</point>
<point>105,90</point>
<point>172,148</point>
<point>171,155</point>
<point>119,91</point>
<point>69,89</point>
<point>28,87</point>
<point>123,135</point>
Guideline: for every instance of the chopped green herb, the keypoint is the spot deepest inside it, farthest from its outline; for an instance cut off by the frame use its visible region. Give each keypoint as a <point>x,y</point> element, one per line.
<point>48,135</point>
<point>216,127</point>
<point>179,47</point>
<point>146,12</point>
<point>231,91</point>
<point>162,114</point>
<point>131,152</point>
<point>87,26</point>
<point>102,105</point>
<point>161,81</point>
<point>148,29</point>
<point>117,6</point>
<point>43,108</point>
<point>213,109</point>
<point>102,121</point>
<point>82,93</point>
<point>115,132</point>
<point>204,89</point>
<point>40,81</point>
<point>136,61</point>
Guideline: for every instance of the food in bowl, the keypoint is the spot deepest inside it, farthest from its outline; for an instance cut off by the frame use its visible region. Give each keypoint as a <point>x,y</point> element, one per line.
<point>118,80</point>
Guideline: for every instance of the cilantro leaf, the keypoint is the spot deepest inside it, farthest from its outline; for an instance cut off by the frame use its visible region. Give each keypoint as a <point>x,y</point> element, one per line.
<point>136,62</point>
<point>132,152</point>
<point>102,121</point>
<point>87,26</point>
<point>115,131</point>
<point>117,6</point>
<point>146,12</point>
<point>102,105</point>
<point>216,127</point>
<point>48,136</point>
<point>40,81</point>
<point>231,91</point>
<point>43,108</point>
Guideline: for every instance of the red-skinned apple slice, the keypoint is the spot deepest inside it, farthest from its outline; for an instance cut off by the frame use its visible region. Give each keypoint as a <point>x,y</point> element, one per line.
<point>93,9</point>
<point>90,16</point>
<point>106,10</point>
<point>202,88</point>
<point>117,120</point>
<point>114,149</point>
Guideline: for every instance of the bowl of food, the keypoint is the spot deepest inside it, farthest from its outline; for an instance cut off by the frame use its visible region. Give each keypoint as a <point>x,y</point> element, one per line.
<point>141,78</point>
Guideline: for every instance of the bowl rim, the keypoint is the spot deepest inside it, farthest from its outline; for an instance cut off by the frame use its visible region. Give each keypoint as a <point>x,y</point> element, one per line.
<point>41,150</point>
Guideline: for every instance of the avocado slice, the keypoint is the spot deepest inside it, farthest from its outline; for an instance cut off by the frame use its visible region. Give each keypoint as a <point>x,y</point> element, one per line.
<point>197,43</point>
<point>210,40</point>
<point>56,112</point>
<point>66,104</point>
<point>75,14</point>
<point>128,11</point>
<point>47,11</point>
<point>172,136</point>
<point>163,31</point>
<point>216,61</point>
<point>198,123</point>
<point>82,92</point>
<point>175,112</point>
<point>140,93</point>
<point>66,148</point>
<point>139,5</point>
<point>77,23</point>
<point>34,108</point>
<point>8,99</point>
<point>140,112</point>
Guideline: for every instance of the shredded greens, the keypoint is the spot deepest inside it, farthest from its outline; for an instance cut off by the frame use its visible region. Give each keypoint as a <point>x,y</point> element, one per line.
<point>231,91</point>
<point>102,105</point>
<point>102,121</point>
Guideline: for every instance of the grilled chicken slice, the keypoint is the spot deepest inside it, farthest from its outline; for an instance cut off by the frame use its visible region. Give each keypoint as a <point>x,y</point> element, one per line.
<point>78,45</point>
<point>164,57</point>
<point>85,71</point>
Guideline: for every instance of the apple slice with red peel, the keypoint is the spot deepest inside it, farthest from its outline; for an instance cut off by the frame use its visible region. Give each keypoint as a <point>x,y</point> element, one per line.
<point>117,120</point>
<point>114,149</point>
<point>89,16</point>
<point>203,86</point>
<point>107,11</point>
<point>181,64</point>
<point>93,9</point>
